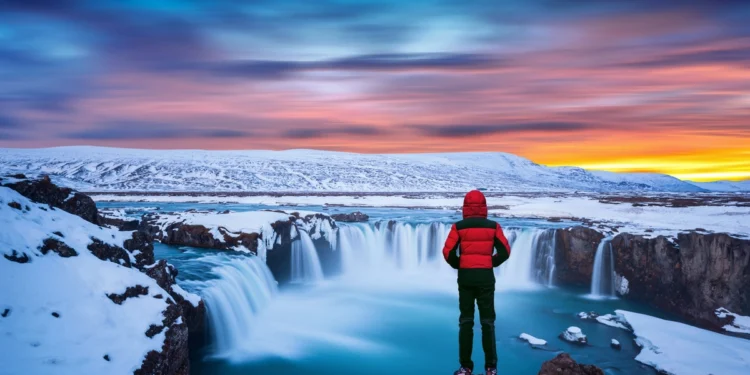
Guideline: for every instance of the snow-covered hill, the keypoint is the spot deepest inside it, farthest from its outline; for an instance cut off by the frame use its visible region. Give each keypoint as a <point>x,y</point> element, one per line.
<point>725,186</point>
<point>113,169</point>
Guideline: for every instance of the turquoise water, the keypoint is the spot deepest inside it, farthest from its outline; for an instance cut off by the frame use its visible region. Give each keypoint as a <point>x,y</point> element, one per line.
<point>390,321</point>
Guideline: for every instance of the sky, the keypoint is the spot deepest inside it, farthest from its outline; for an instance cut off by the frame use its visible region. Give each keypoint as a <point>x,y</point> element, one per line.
<point>646,86</point>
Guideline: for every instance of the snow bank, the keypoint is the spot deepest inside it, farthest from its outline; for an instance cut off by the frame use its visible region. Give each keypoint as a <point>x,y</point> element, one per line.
<point>532,340</point>
<point>57,318</point>
<point>741,324</point>
<point>681,349</point>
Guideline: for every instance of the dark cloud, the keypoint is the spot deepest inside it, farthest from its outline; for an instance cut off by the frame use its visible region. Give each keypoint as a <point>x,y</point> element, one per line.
<point>379,62</point>
<point>143,130</point>
<point>320,132</point>
<point>469,130</point>
<point>8,122</point>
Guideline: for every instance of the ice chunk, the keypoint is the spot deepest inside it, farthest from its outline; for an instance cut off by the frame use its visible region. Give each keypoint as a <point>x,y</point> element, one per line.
<point>532,340</point>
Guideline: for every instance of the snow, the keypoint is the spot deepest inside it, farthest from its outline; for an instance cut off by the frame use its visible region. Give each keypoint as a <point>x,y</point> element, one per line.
<point>574,335</point>
<point>622,285</point>
<point>100,168</point>
<point>89,325</point>
<point>741,324</point>
<point>532,340</point>
<point>194,299</point>
<point>615,342</point>
<point>680,349</point>
<point>657,220</point>
<point>612,321</point>
<point>724,186</point>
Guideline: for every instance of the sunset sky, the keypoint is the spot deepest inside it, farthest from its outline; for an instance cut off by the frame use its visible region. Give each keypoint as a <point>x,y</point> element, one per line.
<point>629,87</point>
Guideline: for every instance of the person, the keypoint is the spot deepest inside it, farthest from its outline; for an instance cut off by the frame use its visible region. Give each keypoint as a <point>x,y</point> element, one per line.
<point>469,248</point>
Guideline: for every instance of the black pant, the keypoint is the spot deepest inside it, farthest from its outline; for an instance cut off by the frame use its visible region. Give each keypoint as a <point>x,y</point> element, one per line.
<point>485,298</point>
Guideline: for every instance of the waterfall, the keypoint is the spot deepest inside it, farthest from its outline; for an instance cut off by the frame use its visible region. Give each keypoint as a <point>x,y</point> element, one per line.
<point>305,263</point>
<point>243,287</point>
<point>391,246</point>
<point>602,279</point>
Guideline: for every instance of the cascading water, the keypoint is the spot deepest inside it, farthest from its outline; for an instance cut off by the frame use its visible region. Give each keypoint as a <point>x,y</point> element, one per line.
<point>407,246</point>
<point>602,279</point>
<point>243,287</point>
<point>306,268</point>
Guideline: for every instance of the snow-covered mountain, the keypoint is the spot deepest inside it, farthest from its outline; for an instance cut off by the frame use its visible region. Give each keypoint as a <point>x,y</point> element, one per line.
<point>725,186</point>
<point>114,169</point>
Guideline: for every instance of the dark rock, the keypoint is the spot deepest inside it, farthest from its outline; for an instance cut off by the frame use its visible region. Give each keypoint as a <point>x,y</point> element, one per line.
<point>144,244</point>
<point>104,251</point>
<point>19,176</point>
<point>158,296</point>
<point>354,217</point>
<point>162,272</point>
<point>58,234</point>
<point>15,205</point>
<point>17,257</point>
<point>615,345</point>
<point>171,314</point>
<point>690,278</point>
<point>58,247</point>
<point>574,255</point>
<point>120,224</point>
<point>56,314</point>
<point>106,357</point>
<point>5,313</point>
<point>564,365</point>
<point>173,359</point>
<point>130,292</point>
<point>45,192</point>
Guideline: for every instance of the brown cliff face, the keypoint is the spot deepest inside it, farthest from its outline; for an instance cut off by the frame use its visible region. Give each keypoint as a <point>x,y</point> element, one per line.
<point>66,199</point>
<point>690,277</point>
<point>574,255</point>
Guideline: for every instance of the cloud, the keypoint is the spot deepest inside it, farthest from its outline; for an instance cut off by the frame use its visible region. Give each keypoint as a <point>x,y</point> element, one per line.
<point>714,56</point>
<point>7,122</point>
<point>144,130</point>
<point>326,130</point>
<point>469,130</point>
<point>379,62</point>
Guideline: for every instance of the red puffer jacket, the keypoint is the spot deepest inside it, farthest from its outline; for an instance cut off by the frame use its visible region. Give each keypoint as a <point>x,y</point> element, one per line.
<point>477,237</point>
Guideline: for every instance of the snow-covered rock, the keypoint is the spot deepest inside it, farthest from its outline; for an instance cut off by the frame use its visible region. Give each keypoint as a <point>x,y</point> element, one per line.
<point>680,349</point>
<point>532,340</point>
<point>77,298</point>
<point>574,335</point>
<point>98,168</point>
<point>735,323</point>
<point>606,319</point>
<point>253,231</point>
<point>615,344</point>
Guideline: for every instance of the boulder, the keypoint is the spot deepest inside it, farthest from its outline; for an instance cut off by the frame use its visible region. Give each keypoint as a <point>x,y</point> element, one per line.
<point>354,217</point>
<point>564,365</point>
<point>45,192</point>
<point>574,335</point>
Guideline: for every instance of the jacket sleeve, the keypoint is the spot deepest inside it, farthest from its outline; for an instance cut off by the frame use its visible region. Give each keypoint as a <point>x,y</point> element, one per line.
<point>502,247</point>
<point>451,247</point>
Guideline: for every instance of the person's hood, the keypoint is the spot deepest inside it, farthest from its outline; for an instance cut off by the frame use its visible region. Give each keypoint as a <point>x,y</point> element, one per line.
<point>475,204</point>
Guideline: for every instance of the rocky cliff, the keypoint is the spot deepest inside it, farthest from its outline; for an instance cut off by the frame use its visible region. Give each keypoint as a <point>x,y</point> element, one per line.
<point>690,276</point>
<point>131,252</point>
<point>574,255</point>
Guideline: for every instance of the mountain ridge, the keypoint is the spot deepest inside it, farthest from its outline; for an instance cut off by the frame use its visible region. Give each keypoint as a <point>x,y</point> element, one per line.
<point>302,170</point>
